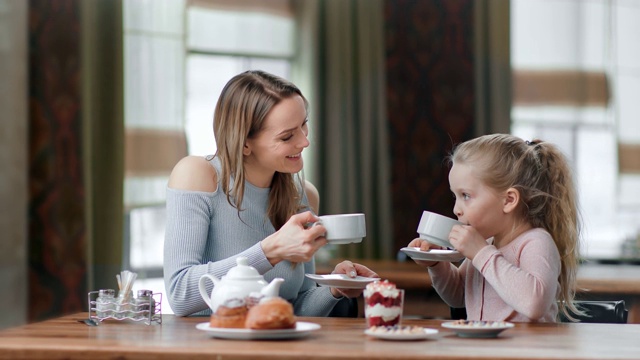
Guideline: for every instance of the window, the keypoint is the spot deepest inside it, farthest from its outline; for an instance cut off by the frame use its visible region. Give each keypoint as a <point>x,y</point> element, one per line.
<point>222,42</point>
<point>581,60</point>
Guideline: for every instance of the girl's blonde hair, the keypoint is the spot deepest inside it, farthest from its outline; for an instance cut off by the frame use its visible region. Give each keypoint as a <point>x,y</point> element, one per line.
<point>542,175</point>
<point>240,114</point>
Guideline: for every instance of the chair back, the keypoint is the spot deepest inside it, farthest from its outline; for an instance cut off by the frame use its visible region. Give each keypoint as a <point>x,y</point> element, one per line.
<point>612,312</point>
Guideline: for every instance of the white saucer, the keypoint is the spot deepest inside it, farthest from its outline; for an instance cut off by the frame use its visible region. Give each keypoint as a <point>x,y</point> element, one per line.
<point>302,329</point>
<point>426,334</point>
<point>478,329</point>
<point>433,255</point>
<point>341,280</point>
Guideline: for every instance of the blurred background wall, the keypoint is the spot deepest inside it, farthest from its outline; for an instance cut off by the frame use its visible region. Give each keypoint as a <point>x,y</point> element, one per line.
<point>13,162</point>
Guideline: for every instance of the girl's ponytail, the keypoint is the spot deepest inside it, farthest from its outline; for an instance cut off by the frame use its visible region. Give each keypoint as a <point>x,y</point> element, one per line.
<point>560,216</point>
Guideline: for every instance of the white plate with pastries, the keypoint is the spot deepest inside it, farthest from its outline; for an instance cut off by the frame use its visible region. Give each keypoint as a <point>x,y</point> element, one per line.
<point>477,328</point>
<point>342,281</point>
<point>401,333</point>
<point>301,330</point>
<point>433,254</point>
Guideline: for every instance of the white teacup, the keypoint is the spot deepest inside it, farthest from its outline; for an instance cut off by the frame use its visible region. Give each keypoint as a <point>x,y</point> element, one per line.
<point>344,228</point>
<point>435,228</point>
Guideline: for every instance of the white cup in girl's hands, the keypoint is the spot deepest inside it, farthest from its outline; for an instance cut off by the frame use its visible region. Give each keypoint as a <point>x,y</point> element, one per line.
<point>435,228</point>
<point>344,228</point>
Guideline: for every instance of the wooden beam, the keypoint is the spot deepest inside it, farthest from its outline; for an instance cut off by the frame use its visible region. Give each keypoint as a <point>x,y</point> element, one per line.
<point>151,152</point>
<point>560,88</point>
<point>629,158</point>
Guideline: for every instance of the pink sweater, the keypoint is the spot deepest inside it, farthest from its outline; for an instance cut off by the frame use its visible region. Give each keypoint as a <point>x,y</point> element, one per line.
<point>518,282</point>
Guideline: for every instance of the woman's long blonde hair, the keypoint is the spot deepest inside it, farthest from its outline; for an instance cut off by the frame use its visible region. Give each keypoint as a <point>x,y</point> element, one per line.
<point>240,113</point>
<point>542,175</point>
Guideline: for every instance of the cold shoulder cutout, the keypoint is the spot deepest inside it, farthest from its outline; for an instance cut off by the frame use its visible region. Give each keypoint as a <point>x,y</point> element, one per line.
<point>194,173</point>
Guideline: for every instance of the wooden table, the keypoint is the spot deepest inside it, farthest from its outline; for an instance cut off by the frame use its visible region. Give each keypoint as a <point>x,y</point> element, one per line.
<point>595,282</point>
<point>338,338</point>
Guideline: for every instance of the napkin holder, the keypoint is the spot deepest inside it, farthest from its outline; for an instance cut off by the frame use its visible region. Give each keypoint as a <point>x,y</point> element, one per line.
<point>138,310</point>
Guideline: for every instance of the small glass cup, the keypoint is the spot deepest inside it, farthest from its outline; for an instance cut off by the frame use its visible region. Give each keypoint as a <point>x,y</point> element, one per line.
<point>384,308</point>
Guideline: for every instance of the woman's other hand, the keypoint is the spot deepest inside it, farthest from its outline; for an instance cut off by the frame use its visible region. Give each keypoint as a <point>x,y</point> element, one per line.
<point>352,270</point>
<point>424,245</point>
<point>295,241</point>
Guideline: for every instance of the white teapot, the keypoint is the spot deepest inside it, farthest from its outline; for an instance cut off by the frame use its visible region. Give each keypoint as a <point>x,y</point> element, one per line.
<point>241,281</point>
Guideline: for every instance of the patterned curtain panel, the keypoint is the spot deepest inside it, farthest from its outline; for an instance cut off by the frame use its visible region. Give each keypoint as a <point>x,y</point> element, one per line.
<point>431,99</point>
<point>57,259</point>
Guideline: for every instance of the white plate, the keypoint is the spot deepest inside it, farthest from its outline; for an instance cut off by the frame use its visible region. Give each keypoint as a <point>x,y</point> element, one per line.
<point>436,240</point>
<point>341,280</point>
<point>426,334</point>
<point>485,331</point>
<point>302,329</point>
<point>433,254</point>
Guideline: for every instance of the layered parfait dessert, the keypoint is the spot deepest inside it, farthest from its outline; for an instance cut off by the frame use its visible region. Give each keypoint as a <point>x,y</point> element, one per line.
<point>383,304</point>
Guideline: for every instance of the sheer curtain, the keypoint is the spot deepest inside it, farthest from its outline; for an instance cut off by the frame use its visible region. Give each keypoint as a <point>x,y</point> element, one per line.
<point>154,135</point>
<point>154,98</point>
<point>102,112</point>
<point>492,67</point>
<point>342,43</point>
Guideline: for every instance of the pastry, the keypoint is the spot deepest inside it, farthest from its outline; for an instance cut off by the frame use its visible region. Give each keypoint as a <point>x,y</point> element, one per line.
<point>271,313</point>
<point>230,315</point>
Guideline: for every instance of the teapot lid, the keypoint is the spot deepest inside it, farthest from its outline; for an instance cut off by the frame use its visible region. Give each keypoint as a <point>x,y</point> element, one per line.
<point>243,270</point>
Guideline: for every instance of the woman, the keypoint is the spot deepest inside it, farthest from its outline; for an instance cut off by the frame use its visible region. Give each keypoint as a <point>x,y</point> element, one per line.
<point>249,200</point>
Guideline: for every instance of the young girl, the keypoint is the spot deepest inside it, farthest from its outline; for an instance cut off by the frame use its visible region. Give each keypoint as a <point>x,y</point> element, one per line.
<point>520,238</point>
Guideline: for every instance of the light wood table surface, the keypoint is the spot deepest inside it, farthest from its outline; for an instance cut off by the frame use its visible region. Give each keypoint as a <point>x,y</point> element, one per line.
<point>338,338</point>
<point>595,282</point>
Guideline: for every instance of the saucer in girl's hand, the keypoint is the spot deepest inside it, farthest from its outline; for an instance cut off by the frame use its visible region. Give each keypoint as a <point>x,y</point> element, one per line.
<point>433,254</point>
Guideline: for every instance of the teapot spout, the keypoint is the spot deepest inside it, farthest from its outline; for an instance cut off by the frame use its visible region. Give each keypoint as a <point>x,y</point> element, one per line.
<point>272,289</point>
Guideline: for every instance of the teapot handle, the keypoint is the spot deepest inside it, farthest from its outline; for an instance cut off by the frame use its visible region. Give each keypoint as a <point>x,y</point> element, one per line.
<point>203,288</point>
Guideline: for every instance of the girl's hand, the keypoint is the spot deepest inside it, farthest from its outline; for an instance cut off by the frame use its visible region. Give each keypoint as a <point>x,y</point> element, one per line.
<point>467,240</point>
<point>352,270</point>
<point>295,241</point>
<point>424,245</point>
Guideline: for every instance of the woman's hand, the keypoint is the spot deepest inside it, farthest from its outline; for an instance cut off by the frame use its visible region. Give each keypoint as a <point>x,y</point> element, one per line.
<point>352,270</point>
<point>295,241</point>
<point>424,245</point>
<point>467,240</point>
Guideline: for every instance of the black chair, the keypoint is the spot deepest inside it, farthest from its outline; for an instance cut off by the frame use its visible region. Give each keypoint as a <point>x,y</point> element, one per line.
<point>458,313</point>
<point>609,312</point>
<point>346,307</point>
<point>605,312</point>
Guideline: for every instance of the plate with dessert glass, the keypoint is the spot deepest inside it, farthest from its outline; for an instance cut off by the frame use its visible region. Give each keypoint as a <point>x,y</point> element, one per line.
<point>342,281</point>
<point>433,254</point>
<point>301,330</point>
<point>401,333</point>
<point>477,328</point>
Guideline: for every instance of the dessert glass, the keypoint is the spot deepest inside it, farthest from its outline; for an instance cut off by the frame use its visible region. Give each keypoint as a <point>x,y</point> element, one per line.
<point>383,304</point>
